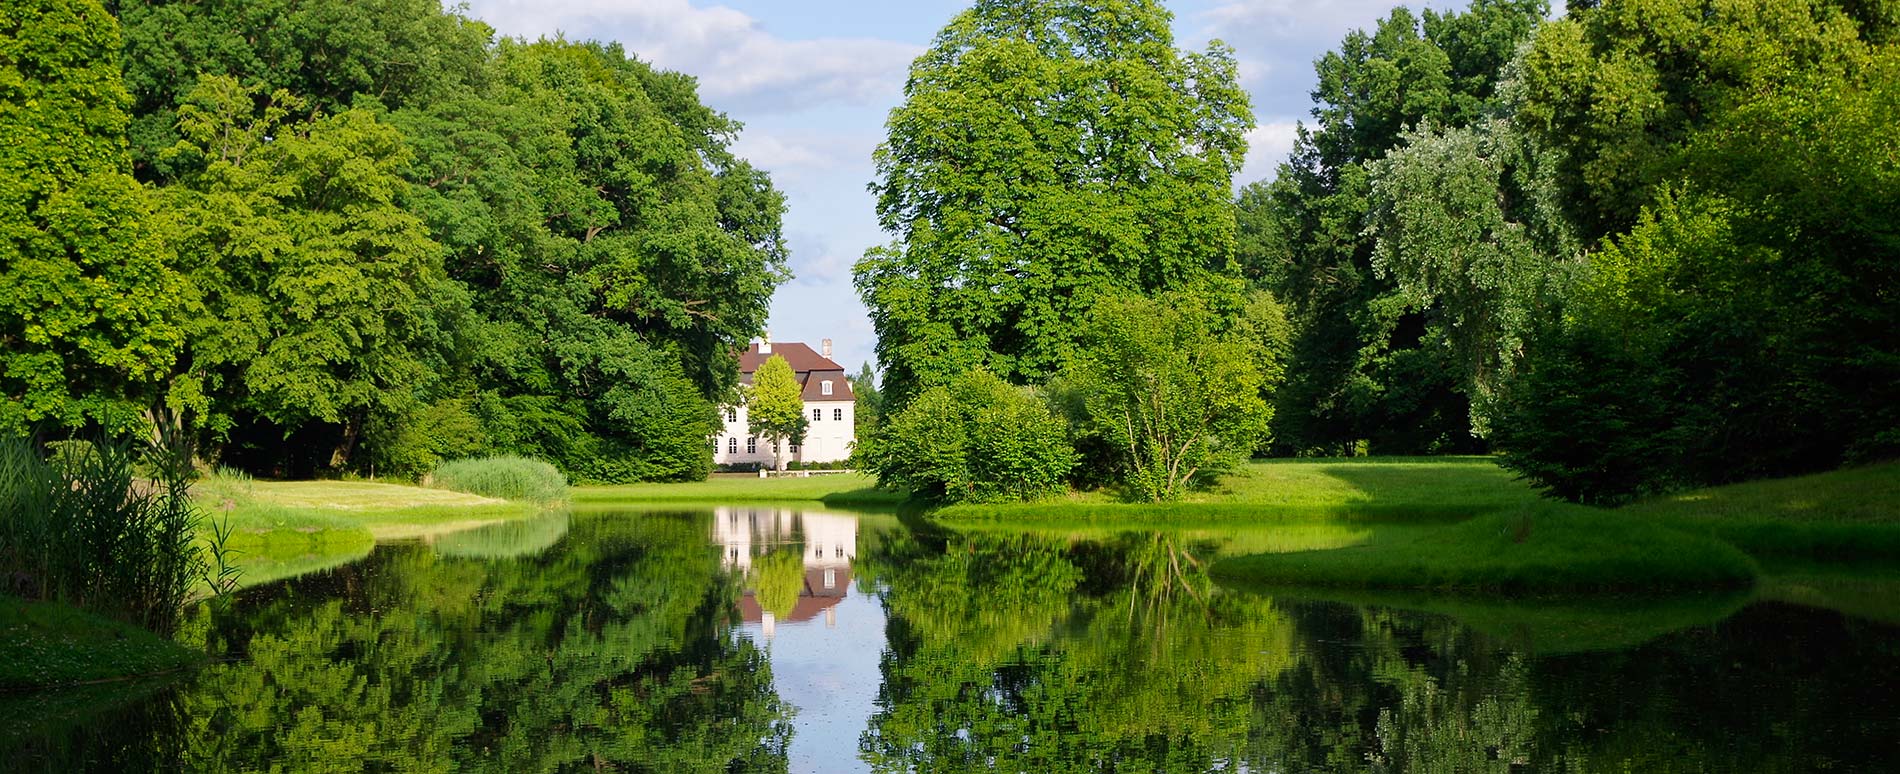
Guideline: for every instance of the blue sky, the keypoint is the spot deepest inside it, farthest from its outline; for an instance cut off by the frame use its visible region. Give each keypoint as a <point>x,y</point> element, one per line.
<point>813,80</point>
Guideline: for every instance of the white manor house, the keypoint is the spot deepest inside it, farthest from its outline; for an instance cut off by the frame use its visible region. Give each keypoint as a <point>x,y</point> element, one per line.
<point>829,408</point>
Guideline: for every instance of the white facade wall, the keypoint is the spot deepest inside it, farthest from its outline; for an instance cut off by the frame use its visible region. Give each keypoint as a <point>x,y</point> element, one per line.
<point>827,439</point>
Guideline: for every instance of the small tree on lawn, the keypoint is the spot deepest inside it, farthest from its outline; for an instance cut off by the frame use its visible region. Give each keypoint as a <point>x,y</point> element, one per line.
<point>1175,385</point>
<point>776,406</point>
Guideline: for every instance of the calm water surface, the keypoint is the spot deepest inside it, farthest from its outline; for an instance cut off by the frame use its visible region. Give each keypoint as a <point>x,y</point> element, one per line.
<point>758,639</point>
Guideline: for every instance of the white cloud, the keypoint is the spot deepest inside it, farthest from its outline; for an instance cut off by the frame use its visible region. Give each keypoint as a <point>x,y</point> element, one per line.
<point>741,67</point>
<point>815,263</point>
<point>768,152</point>
<point>1267,145</point>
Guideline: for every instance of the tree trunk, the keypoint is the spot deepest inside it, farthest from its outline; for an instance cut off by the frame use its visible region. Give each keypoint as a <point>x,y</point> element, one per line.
<point>340,456</point>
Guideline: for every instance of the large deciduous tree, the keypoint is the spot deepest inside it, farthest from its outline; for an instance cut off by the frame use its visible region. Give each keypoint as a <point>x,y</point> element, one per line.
<point>1046,152</point>
<point>775,406</point>
<point>317,285</point>
<point>90,303</point>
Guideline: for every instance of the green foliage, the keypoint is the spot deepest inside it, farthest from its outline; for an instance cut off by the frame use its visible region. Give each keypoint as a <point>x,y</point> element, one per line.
<point>401,240</point>
<point>315,282</point>
<point>977,439</point>
<point>506,477</point>
<point>1462,246</point>
<point>1177,391</point>
<point>1046,153</point>
<point>1370,359</point>
<point>90,532</point>
<point>91,305</point>
<point>775,405</point>
<point>867,410</point>
<point>1620,89</point>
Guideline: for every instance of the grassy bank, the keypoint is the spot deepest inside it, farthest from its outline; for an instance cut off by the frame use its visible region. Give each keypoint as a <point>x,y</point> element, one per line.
<point>1849,514</point>
<point>47,643</point>
<point>280,529</point>
<point>835,489</point>
<point>1369,489</point>
<point>1464,524</point>
<point>1543,549</point>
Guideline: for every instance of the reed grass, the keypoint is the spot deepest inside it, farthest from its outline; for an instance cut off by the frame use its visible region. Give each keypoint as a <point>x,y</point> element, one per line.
<point>85,528</point>
<point>505,477</point>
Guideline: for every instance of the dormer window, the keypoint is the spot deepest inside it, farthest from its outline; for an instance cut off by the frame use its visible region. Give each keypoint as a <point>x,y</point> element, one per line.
<point>824,387</point>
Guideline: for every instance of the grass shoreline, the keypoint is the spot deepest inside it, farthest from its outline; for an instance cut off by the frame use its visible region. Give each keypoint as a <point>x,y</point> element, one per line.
<point>281,529</point>
<point>50,645</point>
<point>1463,525</point>
<point>834,489</point>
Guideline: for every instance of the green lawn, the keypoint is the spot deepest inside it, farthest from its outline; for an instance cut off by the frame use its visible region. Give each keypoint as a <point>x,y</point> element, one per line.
<point>281,529</point>
<point>1465,524</point>
<point>1849,514</point>
<point>46,643</point>
<point>1380,489</point>
<point>838,489</point>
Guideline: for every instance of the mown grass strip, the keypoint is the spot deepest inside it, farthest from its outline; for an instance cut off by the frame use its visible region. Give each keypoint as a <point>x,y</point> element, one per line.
<point>832,488</point>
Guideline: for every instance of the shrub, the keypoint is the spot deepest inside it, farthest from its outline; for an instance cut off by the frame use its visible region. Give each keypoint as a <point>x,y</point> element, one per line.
<point>975,440</point>
<point>1173,387</point>
<point>507,477</point>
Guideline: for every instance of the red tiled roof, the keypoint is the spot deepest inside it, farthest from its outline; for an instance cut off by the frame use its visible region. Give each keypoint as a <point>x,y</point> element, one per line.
<point>811,368</point>
<point>802,357</point>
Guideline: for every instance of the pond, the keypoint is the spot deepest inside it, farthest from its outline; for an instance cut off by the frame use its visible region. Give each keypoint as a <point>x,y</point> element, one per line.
<point>758,638</point>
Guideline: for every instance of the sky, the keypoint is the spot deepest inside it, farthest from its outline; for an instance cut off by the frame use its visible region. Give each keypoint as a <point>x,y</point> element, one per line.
<point>813,80</point>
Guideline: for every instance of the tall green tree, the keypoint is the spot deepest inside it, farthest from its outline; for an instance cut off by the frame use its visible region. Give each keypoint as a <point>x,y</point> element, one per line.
<point>1366,363</point>
<point>775,406</point>
<point>868,399</point>
<point>618,254</point>
<point>1734,319</point>
<point>317,285</point>
<point>91,306</point>
<point>1046,152</point>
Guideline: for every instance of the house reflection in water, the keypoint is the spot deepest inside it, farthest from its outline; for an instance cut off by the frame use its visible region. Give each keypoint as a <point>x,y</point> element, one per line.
<point>828,542</point>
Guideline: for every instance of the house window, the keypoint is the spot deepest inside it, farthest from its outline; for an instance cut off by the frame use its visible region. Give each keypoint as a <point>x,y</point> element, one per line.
<point>825,387</point>
<point>794,448</point>
<point>732,445</point>
<point>817,414</point>
<point>837,415</point>
<point>831,578</point>
<point>732,415</point>
<point>751,443</point>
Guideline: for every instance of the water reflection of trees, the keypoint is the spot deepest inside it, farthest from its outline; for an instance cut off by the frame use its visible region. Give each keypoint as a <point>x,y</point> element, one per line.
<point>613,653</point>
<point>1016,652</point>
<point>1027,654</point>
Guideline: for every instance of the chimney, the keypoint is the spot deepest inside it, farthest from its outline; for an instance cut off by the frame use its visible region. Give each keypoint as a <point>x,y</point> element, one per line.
<point>826,343</point>
<point>765,342</point>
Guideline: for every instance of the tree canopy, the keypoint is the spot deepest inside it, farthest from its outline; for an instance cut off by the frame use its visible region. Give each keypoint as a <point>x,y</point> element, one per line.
<point>775,406</point>
<point>371,236</point>
<point>1045,153</point>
